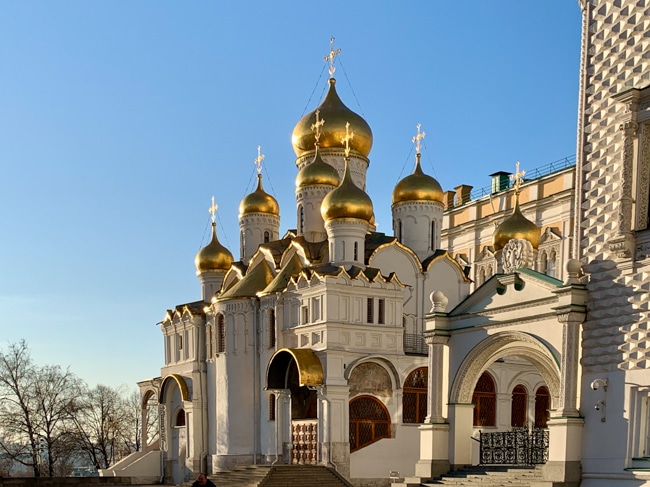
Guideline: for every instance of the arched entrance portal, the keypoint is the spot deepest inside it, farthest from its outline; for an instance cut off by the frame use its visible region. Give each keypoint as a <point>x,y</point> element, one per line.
<point>295,376</point>
<point>174,397</point>
<point>495,348</point>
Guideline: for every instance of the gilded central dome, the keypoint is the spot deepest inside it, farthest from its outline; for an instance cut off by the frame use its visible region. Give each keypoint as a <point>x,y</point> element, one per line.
<point>336,115</point>
<point>347,201</point>
<point>516,226</point>
<point>317,172</point>
<point>213,256</point>
<point>259,201</point>
<point>417,187</point>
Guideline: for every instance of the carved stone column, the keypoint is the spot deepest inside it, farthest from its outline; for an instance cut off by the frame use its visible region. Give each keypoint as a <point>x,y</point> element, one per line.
<point>436,393</point>
<point>570,365</point>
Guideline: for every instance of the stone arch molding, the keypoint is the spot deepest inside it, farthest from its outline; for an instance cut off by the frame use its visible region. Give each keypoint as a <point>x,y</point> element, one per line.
<point>501,345</point>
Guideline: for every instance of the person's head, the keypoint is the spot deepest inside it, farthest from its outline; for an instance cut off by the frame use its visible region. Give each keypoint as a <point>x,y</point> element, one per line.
<point>201,479</point>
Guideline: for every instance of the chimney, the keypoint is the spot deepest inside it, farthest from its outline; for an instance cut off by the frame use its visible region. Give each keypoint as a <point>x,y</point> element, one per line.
<point>448,199</point>
<point>462,194</point>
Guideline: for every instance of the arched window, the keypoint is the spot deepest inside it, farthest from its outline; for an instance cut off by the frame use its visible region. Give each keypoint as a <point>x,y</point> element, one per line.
<point>490,271</point>
<point>481,276</point>
<point>221,334</point>
<point>241,243</point>
<point>433,235</point>
<point>542,406</point>
<point>271,328</point>
<point>267,237</point>
<point>519,406</point>
<point>301,220</point>
<point>356,251</point>
<point>210,338</point>
<point>399,230</point>
<point>543,262</point>
<point>414,399</point>
<point>369,422</point>
<point>485,401</point>
<point>342,250</point>
<point>551,265</point>
<point>180,418</point>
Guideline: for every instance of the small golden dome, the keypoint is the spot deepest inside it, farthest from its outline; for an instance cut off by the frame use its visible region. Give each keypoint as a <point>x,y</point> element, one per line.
<point>336,115</point>
<point>347,201</point>
<point>259,201</point>
<point>317,172</point>
<point>213,256</point>
<point>516,226</point>
<point>417,187</point>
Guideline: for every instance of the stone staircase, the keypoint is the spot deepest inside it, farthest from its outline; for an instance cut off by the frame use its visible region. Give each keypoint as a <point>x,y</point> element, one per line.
<point>489,477</point>
<point>278,476</point>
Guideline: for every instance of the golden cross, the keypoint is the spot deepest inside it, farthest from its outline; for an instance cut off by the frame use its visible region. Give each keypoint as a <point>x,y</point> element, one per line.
<point>330,57</point>
<point>213,210</point>
<point>346,140</point>
<point>418,139</point>
<point>518,177</point>
<point>259,159</point>
<point>316,126</point>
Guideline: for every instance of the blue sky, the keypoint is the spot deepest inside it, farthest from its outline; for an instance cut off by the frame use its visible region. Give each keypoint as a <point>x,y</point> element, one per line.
<point>119,120</point>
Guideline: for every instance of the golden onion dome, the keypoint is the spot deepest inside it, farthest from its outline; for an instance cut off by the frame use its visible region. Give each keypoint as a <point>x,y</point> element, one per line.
<point>516,226</point>
<point>317,172</point>
<point>336,115</point>
<point>214,256</point>
<point>259,201</point>
<point>347,201</point>
<point>417,187</point>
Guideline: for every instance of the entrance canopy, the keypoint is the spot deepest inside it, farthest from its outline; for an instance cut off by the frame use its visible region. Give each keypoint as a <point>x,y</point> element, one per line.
<point>309,367</point>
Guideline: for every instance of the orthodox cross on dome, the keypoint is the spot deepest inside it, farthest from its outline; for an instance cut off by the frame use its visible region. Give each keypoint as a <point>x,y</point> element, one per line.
<point>517,178</point>
<point>259,159</point>
<point>213,210</point>
<point>418,139</point>
<point>317,126</point>
<point>346,140</point>
<point>330,57</point>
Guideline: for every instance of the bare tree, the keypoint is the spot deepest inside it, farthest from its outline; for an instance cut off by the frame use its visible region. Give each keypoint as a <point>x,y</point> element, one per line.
<point>56,392</point>
<point>18,421</point>
<point>100,421</point>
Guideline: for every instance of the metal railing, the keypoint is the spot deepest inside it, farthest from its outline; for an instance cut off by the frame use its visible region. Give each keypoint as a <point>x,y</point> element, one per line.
<point>415,344</point>
<point>520,446</point>
<point>531,175</point>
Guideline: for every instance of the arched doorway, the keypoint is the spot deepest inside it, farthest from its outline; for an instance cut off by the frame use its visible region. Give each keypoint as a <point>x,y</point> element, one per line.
<point>174,397</point>
<point>516,348</point>
<point>293,376</point>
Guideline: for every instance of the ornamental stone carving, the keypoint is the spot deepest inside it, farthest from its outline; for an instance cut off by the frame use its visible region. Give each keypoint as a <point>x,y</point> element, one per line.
<point>516,254</point>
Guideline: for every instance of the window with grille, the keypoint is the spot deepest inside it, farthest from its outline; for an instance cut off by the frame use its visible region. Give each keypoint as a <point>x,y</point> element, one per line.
<point>519,408</point>
<point>414,399</point>
<point>542,406</point>
<point>221,334</point>
<point>485,401</point>
<point>272,407</point>
<point>301,217</point>
<point>381,311</point>
<point>369,422</point>
<point>370,305</point>
<point>271,328</point>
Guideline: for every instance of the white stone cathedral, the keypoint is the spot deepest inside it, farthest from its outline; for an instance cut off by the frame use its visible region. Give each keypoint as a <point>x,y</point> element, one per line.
<point>337,345</point>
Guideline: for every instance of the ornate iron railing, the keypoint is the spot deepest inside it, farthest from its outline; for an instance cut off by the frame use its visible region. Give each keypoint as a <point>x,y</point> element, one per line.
<point>520,446</point>
<point>414,344</point>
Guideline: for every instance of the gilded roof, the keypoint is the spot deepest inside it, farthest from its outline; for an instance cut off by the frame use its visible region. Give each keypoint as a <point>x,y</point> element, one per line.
<point>347,201</point>
<point>279,283</point>
<point>259,201</point>
<point>213,256</point>
<point>418,187</point>
<point>317,172</point>
<point>256,279</point>
<point>516,226</point>
<point>336,115</point>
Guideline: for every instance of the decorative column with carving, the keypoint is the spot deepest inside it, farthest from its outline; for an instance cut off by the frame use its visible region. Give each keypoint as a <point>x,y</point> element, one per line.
<point>566,425</point>
<point>434,433</point>
<point>622,244</point>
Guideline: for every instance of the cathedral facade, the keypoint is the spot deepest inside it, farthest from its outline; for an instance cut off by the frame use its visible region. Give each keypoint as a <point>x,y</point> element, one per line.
<point>522,309</point>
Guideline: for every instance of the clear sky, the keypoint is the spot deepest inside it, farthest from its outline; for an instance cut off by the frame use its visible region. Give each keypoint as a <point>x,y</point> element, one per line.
<point>120,119</point>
